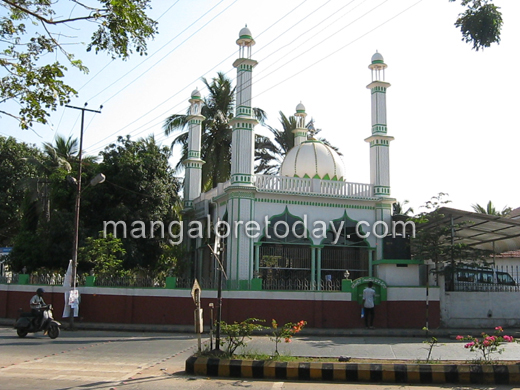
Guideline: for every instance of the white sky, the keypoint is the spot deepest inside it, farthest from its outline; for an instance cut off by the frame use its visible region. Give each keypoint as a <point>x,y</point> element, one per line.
<point>452,111</point>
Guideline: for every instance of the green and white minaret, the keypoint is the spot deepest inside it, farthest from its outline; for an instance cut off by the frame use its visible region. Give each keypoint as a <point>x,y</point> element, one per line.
<point>300,133</point>
<point>244,122</point>
<point>379,140</point>
<point>193,164</point>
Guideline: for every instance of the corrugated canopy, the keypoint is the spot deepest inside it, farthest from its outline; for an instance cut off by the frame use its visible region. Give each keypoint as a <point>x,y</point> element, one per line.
<point>482,231</point>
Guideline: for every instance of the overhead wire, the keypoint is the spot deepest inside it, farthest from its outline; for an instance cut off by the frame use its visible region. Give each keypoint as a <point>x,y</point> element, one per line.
<point>162,58</point>
<point>112,60</point>
<point>336,51</point>
<point>339,49</point>
<point>191,83</point>
<point>299,72</point>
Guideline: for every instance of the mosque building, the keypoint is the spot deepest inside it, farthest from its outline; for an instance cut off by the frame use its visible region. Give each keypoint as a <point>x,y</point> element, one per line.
<point>306,234</point>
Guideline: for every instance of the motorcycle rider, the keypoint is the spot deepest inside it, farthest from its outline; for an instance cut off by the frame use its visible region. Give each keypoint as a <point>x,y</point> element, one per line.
<point>37,304</point>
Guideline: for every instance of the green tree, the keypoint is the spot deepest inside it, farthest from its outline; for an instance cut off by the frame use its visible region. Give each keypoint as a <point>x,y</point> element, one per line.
<point>398,208</point>
<point>433,239</point>
<point>14,170</point>
<point>104,254</point>
<point>270,154</point>
<point>140,188</point>
<point>216,131</point>
<point>33,79</point>
<point>490,210</point>
<point>480,24</point>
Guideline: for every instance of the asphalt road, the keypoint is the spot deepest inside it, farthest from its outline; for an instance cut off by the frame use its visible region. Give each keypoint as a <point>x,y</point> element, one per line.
<point>84,360</point>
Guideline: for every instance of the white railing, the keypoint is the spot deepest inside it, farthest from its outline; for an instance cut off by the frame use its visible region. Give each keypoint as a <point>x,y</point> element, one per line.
<point>283,184</point>
<point>343,188</point>
<point>296,185</point>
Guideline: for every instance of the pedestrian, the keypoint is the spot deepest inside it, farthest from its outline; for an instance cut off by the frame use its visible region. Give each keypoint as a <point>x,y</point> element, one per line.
<point>368,305</point>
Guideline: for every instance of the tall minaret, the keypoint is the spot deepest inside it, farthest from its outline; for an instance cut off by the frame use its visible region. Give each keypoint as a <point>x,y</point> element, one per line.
<point>300,133</point>
<point>193,164</point>
<point>244,122</point>
<point>379,141</point>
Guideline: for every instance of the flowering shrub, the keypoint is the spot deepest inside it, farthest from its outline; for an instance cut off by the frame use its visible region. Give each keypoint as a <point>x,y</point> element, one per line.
<point>487,344</point>
<point>237,332</point>
<point>285,332</point>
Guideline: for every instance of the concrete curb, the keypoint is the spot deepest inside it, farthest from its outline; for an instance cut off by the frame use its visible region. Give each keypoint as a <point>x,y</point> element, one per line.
<point>356,372</point>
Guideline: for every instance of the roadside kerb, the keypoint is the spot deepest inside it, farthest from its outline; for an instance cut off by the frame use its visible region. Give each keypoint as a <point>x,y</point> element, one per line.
<point>356,372</point>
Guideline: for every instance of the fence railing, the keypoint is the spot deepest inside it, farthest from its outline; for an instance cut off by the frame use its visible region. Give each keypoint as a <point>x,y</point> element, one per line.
<point>129,281</point>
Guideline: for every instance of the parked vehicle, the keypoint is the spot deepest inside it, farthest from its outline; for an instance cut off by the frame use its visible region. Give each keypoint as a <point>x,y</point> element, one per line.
<point>30,323</point>
<point>477,278</point>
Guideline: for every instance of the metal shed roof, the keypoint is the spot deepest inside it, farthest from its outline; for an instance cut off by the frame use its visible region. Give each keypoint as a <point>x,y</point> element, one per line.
<point>482,231</point>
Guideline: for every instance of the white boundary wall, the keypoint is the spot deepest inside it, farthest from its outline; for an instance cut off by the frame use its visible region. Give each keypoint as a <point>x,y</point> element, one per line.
<point>480,309</point>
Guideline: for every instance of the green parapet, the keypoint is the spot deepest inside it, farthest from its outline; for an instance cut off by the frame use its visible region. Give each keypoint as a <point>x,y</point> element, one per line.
<point>256,284</point>
<point>90,281</point>
<point>171,282</point>
<point>346,285</point>
<point>243,285</point>
<point>23,279</point>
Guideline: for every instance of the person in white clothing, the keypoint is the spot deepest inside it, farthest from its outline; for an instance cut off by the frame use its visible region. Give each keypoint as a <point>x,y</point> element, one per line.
<point>37,304</point>
<point>368,304</point>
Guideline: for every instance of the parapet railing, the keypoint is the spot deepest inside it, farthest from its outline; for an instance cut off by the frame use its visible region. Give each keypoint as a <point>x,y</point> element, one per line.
<point>301,186</point>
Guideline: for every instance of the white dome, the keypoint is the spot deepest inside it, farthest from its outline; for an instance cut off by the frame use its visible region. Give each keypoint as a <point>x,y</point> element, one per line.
<point>313,159</point>
<point>245,33</point>
<point>195,93</point>
<point>377,58</point>
<point>300,108</point>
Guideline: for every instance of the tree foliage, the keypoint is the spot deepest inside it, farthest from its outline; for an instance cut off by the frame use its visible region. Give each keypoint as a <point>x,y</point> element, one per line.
<point>433,240</point>
<point>140,186</point>
<point>15,169</point>
<point>480,24</point>
<point>105,254</point>
<point>491,210</point>
<point>218,109</point>
<point>31,30</point>
<point>271,153</point>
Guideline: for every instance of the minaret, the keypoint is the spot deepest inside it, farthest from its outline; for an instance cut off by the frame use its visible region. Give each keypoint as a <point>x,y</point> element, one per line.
<point>300,133</point>
<point>244,122</point>
<point>193,164</point>
<point>379,141</point>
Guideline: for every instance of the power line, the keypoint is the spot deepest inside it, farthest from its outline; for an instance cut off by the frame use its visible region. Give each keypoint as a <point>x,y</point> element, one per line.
<point>167,54</point>
<point>341,48</point>
<point>112,61</point>
<point>171,97</point>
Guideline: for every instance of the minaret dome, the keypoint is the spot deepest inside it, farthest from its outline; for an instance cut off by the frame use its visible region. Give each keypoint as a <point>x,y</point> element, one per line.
<point>195,94</point>
<point>377,64</point>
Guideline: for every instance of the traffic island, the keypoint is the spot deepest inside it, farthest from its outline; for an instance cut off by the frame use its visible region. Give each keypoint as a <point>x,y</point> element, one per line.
<point>357,372</point>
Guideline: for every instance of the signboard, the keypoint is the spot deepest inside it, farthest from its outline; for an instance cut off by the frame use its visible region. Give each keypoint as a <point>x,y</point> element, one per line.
<point>195,292</point>
<point>5,251</point>
<point>73,298</point>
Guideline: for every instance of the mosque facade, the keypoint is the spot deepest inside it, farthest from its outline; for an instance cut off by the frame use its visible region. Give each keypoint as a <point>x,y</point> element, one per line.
<point>305,234</point>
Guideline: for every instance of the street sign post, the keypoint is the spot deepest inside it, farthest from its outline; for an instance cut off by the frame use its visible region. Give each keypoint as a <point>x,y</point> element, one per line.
<point>199,324</point>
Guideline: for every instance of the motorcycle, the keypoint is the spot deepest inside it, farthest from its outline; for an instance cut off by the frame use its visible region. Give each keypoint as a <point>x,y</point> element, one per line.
<point>29,323</point>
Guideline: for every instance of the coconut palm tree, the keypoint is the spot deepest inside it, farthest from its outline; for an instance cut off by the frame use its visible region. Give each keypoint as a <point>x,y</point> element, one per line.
<point>216,131</point>
<point>490,210</point>
<point>272,154</point>
<point>398,208</point>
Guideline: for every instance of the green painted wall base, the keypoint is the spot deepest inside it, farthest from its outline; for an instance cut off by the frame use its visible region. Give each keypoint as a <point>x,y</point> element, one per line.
<point>23,279</point>
<point>256,284</point>
<point>171,282</point>
<point>90,281</point>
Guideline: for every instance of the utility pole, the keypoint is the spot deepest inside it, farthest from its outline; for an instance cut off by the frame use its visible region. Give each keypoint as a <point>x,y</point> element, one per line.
<point>76,208</point>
